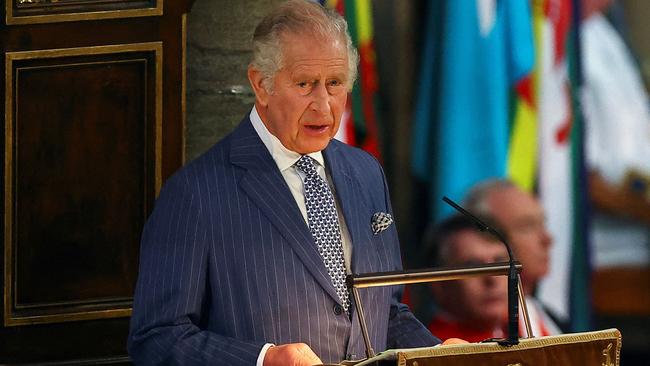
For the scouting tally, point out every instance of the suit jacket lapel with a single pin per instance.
(265, 186)
(357, 218)
(355, 209)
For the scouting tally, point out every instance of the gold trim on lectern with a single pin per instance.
(526, 343)
(559, 350)
(608, 359)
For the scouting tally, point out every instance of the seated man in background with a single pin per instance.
(522, 220)
(474, 309)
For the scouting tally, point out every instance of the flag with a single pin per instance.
(359, 122)
(562, 174)
(475, 54)
(521, 162)
(483, 111)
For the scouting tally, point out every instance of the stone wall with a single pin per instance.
(218, 53)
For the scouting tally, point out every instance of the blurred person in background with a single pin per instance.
(617, 115)
(617, 124)
(521, 219)
(474, 309)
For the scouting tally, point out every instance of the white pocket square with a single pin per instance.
(380, 222)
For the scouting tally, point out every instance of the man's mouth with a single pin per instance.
(317, 128)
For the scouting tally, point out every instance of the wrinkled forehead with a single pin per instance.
(309, 35)
(311, 46)
(513, 201)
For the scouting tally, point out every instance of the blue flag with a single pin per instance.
(474, 53)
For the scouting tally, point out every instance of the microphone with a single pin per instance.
(513, 305)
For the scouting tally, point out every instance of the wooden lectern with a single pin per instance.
(600, 348)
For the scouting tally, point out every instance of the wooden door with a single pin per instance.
(93, 111)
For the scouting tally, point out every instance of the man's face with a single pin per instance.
(481, 301)
(523, 219)
(304, 108)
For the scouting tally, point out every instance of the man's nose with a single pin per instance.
(320, 99)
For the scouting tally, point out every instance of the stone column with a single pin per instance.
(218, 52)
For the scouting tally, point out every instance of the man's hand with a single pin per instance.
(293, 354)
(454, 341)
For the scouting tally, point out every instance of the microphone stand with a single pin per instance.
(379, 279)
(511, 269)
(513, 288)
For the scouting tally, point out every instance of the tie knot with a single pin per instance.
(307, 165)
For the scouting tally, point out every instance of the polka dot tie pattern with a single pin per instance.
(324, 225)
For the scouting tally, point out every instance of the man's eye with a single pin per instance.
(303, 84)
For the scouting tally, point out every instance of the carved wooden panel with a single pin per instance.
(82, 166)
(49, 11)
(93, 110)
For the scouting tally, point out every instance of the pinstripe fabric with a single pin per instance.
(228, 264)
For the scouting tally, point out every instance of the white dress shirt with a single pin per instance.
(285, 160)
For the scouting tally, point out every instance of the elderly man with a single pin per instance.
(244, 258)
(474, 309)
(522, 219)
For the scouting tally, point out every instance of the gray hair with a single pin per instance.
(476, 199)
(297, 17)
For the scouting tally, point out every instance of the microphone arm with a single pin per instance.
(379, 279)
(513, 283)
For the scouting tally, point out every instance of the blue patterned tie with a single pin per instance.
(324, 225)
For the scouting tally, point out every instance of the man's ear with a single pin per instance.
(256, 78)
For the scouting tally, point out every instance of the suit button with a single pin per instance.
(338, 309)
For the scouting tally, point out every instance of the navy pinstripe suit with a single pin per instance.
(228, 263)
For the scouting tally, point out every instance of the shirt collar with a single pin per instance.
(283, 157)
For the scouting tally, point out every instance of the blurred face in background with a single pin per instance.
(481, 302)
(590, 7)
(522, 218)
